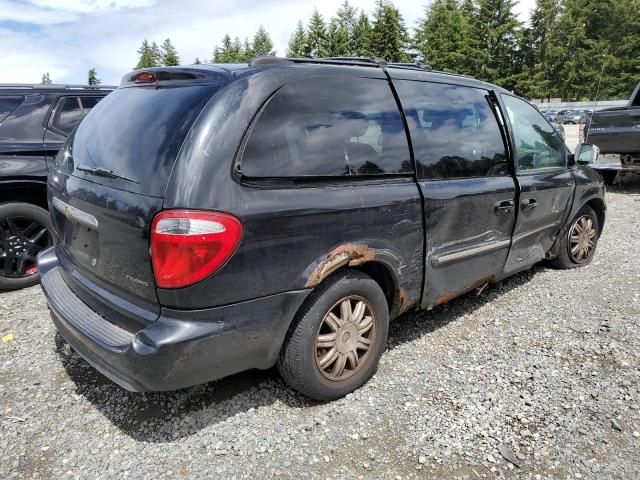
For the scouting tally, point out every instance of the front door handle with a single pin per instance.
(529, 204)
(503, 207)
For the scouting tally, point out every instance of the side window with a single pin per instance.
(68, 114)
(453, 130)
(328, 126)
(88, 103)
(537, 143)
(8, 105)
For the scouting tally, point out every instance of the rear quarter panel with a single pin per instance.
(293, 237)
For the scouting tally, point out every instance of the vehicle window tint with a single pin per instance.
(68, 115)
(8, 105)
(453, 129)
(537, 143)
(328, 127)
(88, 103)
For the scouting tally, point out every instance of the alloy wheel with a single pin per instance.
(345, 337)
(582, 239)
(21, 239)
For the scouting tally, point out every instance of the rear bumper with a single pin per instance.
(179, 349)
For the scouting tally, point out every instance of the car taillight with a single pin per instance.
(189, 245)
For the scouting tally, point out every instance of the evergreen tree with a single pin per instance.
(362, 36)
(541, 78)
(442, 37)
(157, 53)
(347, 18)
(147, 56)
(46, 79)
(337, 39)
(389, 36)
(247, 51)
(297, 42)
(169, 54)
(92, 77)
(316, 37)
(224, 54)
(496, 31)
(262, 44)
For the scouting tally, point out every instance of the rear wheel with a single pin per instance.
(24, 232)
(335, 342)
(578, 245)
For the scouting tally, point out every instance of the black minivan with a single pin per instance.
(213, 219)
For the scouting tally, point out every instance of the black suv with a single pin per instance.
(35, 120)
(213, 219)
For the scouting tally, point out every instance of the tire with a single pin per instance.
(301, 353)
(26, 214)
(566, 259)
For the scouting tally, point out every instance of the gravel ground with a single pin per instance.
(542, 369)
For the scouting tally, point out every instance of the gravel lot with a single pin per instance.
(543, 369)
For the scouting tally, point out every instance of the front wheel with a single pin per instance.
(336, 340)
(24, 232)
(578, 245)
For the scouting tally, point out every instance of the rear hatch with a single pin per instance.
(109, 181)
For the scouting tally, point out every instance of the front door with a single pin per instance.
(546, 185)
(465, 179)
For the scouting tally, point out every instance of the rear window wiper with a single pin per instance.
(103, 172)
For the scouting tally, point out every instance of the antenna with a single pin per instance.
(595, 104)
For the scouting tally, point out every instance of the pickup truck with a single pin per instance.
(617, 131)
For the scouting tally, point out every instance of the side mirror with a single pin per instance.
(586, 154)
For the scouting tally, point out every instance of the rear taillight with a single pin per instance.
(189, 245)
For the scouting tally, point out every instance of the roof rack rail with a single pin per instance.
(59, 86)
(356, 61)
(420, 65)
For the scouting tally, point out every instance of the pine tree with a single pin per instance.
(147, 56)
(46, 79)
(297, 42)
(541, 78)
(224, 54)
(347, 17)
(262, 44)
(92, 77)
(496, 34)
(389, 36)
(316, 37)
(442, 37)
(337, 39)
(247, 51)
(169, 54)
(157, 53)
(362, 36)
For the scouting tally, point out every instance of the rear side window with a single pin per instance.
(454, 131)
(328, 127)
(68, 114)
(8, 105)
(71, 110)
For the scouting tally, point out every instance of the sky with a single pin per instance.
(67, 37)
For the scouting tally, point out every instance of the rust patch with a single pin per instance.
(450, 296)
(347, 254)
(401, 303)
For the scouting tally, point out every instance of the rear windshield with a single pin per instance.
(137, 133)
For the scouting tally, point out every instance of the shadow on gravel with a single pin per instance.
(626, 184)
(167, 416)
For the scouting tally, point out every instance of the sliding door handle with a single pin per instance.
(529, 204)
(503, 207)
